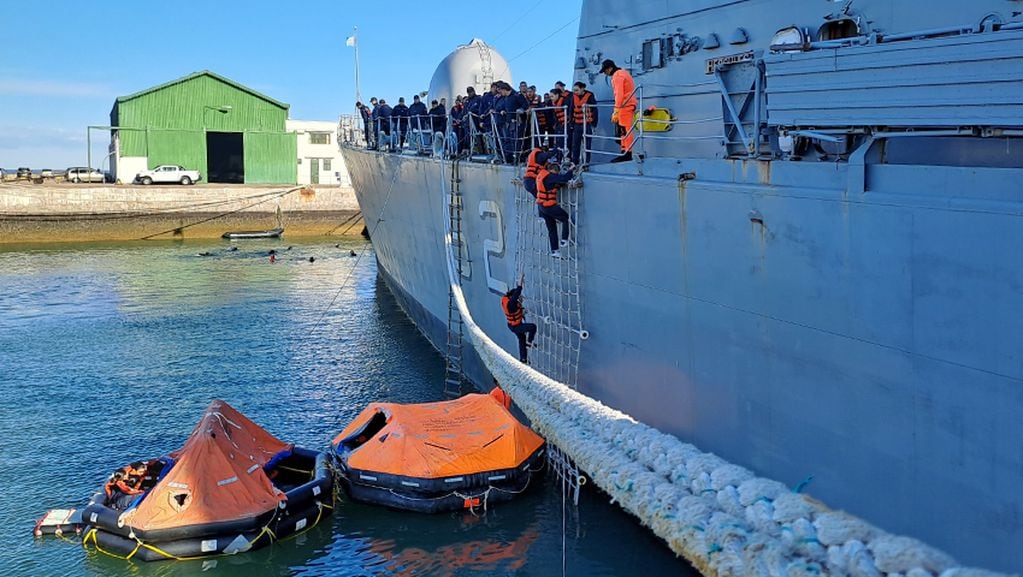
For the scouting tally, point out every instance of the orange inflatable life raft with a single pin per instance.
(461, 454)
(231, 488)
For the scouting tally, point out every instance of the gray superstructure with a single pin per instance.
(814, 272)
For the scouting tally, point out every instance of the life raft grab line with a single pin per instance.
(723, 519)
(266, 530)
(140, 544)
(464, 497)
(320, 506)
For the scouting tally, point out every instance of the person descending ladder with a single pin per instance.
(548, 181)
(553, 291)
(511, 304)
(536, 160)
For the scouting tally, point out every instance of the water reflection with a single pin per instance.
(110, 352)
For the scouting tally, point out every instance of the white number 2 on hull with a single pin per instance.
(493, 247)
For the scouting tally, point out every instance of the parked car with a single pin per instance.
(168, 173)
(46, 173)
(83, 174)
(24, 172)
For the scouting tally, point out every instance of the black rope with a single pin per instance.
(221, 215)
(95, 216)
(344, 222)
(358, 259)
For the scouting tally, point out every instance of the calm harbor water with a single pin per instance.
(110, 352)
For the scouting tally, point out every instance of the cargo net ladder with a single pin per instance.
(454, 373)
(551, 299)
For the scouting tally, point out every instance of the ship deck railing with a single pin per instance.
(482, 138)
(591, 142)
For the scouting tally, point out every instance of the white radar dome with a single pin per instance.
(474, 64)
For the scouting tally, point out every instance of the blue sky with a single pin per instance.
(62, 63)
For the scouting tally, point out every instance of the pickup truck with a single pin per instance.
(168, 173)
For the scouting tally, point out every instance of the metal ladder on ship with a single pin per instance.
(454, 373)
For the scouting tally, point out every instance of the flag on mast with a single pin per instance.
(351, 42)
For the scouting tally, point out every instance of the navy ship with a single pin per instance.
(811, 269)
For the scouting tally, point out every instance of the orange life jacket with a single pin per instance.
(544, 196)
(559, 111)
(578, 108)
(541, 116)
(121, 485)
(532, 167)
(514, 318)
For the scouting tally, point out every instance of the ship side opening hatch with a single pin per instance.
(838, 29)
(225, 157)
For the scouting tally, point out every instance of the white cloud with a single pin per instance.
(22, 87)
(14, 137)
(35, 146)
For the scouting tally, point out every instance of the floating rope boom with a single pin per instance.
(721, 517)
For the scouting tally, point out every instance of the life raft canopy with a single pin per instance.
(437, 456)
(218, 475)
(230, 488)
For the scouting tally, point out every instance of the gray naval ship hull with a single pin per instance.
(870, 342)
(849, 308)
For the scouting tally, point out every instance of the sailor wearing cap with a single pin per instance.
(625, 106)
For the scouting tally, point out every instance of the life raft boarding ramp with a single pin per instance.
(59, 521)
(721, 517)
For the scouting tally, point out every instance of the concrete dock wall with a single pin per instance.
(74, 213)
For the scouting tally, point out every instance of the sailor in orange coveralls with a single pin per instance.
(625, 106)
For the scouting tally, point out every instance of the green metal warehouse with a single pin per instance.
(205, 122)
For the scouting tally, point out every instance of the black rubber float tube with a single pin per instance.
(304, 507)
(437, 495)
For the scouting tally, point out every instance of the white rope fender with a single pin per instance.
(723, 519)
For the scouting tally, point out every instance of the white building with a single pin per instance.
(319, 155)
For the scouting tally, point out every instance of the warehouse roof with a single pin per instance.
(195, 75)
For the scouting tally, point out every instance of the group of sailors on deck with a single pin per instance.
(515, 125)
(497, 122)
(503, 122)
